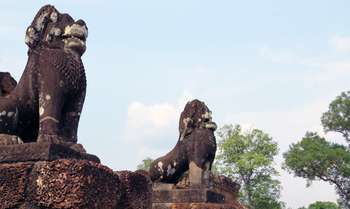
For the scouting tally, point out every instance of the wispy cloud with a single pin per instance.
(310, 69)
(341, 43)
(285, 56)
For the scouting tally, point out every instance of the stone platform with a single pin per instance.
(216, 192)
(56, 176)
(42, 152)
(196, 206)
(57, 184)
(199, 198)
(136, 190)
(187, 195)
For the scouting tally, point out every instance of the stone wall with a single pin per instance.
(58, 184)
(68, 182)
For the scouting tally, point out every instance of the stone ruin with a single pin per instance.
(43, 167)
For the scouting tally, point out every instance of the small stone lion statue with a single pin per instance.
(48, 99)
(194, 151)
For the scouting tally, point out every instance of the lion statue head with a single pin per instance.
(195, 115)
(55, 30)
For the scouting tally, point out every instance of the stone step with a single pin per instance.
(200, 195)
(196, 206)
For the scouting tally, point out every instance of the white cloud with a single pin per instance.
(340, 43)
(153, 128)
(149, 119)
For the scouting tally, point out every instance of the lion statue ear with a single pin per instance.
(35, 32)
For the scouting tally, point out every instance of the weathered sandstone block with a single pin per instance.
(59, 184)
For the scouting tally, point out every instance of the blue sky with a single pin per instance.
(273, 65)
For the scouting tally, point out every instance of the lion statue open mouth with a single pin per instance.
(195, 149)
(47, 102)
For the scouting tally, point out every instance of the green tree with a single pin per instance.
(248, 157)
(337, 118)
(322, 205)
(314, 158)
(145, 165)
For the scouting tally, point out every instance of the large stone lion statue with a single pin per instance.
(48, 99)
(195, 148)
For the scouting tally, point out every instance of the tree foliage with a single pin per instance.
(315, 158)
(248, 158)
(337, 118)
(145, 165)
(322, 205)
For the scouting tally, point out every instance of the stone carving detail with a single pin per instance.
(7, 83)
(194, 151)
(136, 190)
(48, 99)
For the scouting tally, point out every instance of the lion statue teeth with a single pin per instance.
(194, 151)
(47, 102)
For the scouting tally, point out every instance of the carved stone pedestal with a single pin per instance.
(192, 199)
(66, 183)
(187, 196)
(196, 206)
(136, 190)
(217, 192)
(55, 176)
